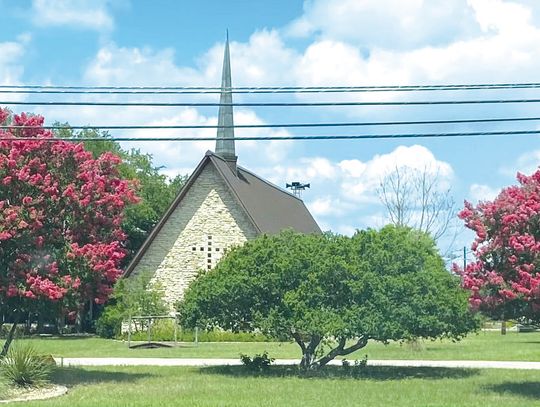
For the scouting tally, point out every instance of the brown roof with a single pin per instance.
(269, 207)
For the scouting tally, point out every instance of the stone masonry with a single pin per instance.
(208, 221)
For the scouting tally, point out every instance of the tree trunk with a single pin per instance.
(307, 360)
(28, 324)
(503, 327)
(79, 321)
(10, 337)
(308, 350)
(60, 323)
(40, 323)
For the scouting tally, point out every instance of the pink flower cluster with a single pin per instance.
(61, 212)
(506, 247)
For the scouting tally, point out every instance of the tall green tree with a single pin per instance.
(332, 294)
(156, 190)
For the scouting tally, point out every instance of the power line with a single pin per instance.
(272, 104)
(282, 125)
(270, 89)
(188, 91)
(292, 137)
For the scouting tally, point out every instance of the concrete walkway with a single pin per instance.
(471, 364)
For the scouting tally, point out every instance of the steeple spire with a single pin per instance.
(224, 147)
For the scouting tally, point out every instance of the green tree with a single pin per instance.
(131, 297)
(156, 191)
(331, 294)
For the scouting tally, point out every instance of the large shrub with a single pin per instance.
(332, 294)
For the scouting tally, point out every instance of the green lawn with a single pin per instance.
(482, 346)
(229, 386)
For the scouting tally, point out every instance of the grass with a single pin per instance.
(232, 386)
(482, 346)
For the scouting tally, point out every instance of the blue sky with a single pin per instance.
(311, 43)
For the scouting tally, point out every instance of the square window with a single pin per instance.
(209, 260)
(209, 254)
(209, 267)
(202, 249)
(193, 248)
(217, 249)
(209, 237)
(209, 243)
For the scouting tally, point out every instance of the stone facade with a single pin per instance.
(208, 221)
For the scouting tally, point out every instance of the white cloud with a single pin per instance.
(480, 192)
(115, 65)
(349, 51)
(526, 164)
(361, 179)
(11, 68)
(263, 60)
(498, 15)
(343, 193)
(83, 14)
(385, 23)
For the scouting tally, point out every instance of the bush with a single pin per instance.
(109, 323)
(163, 330)
(257, 363)
(357, 368)
(23, 367)
(133, 296)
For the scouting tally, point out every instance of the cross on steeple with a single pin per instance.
(225, 132)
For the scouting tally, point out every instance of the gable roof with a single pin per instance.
(269, 207)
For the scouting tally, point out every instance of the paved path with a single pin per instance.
(473, 364)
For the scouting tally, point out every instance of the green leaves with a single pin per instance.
(384, 285)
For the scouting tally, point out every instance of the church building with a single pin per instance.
(221, 205)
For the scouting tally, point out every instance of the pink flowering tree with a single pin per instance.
(61, 211)
(504, 281)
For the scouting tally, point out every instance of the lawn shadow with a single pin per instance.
(71, 376)
(379, 373)
(527, 389)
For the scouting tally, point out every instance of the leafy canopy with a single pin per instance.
(325, 291)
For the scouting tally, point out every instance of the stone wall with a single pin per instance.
(204, 225)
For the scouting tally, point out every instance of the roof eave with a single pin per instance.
(142, 250)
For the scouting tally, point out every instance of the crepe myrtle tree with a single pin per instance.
(61, 210)
(332, 294)
(504, 280)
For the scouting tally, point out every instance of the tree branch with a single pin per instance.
(299, 341)
(332, 354)
(340, 350)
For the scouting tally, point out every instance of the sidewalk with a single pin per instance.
(470, 364)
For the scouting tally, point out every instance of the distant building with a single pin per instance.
(222, 205)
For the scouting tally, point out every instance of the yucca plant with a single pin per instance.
(22, 366)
